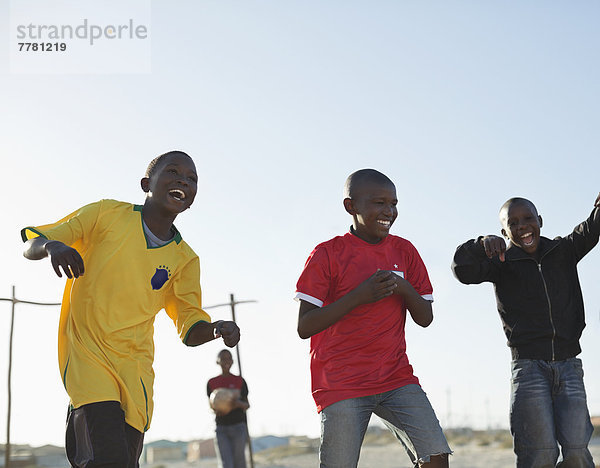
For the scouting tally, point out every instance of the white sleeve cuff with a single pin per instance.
(428, 297)
(305, 297)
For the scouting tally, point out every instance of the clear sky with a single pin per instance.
(462, 103)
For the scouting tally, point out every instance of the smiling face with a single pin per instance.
(521, 224)
(373, 209)
(172, 184)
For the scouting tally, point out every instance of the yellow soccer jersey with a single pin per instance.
(105, 341)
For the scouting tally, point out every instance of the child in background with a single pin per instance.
(232, 429)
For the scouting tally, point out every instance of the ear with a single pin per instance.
(540, 220)
(145, 184)
(349, 206)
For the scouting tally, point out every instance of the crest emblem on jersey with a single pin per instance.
(161, 276)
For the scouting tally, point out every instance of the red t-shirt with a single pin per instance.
(364, 353)
(233, 382)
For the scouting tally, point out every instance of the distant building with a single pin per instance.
(50, 456)
(164, 450)
(267, 442)
(198, 449)
(20, 456)
(47, 456)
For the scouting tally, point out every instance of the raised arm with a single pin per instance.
(585, 235)
(61, 256)
(313, 319)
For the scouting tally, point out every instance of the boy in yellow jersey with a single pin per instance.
(124, 264)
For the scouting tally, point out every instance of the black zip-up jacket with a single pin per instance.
(540, 304)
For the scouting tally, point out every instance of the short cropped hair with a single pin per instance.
(358, 178)
(515, 201)
(155, 163)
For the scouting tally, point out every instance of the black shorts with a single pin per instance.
(98, 436)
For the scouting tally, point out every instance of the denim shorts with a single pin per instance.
(548, 409)
(406, 411)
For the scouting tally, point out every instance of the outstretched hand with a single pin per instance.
(65, 257)
(494, 246)
(229, 331)
(379, 285)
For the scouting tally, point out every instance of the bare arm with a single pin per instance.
(203, 332)
(420, 309)
(61, 256)
(313, 319)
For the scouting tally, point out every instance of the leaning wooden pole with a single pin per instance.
(14, 302)
(232, 303)
(237, 350)
(8, 411)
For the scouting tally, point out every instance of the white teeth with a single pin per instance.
(526, 236)
(178, 194)
(384, 223)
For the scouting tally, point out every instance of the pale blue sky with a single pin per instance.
(462, 103)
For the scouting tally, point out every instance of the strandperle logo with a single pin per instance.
(83, 31)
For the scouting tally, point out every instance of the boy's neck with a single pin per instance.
(354, 233)
(159, 223)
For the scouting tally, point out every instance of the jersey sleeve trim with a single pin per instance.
(428, 297)
(190, 330)
(31, 233)
(305, 297)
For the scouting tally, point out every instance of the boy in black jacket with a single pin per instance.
(541, 306)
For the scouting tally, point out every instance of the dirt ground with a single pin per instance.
(393, 455)
(468, 453)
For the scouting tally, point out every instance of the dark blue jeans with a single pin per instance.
(549, 407)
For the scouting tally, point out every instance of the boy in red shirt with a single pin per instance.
(354, 293)
(232, 429)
